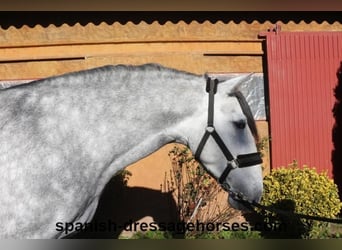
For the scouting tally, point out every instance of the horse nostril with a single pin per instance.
(240, 124)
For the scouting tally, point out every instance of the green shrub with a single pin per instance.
(303, 191)
(164, 235)
(228, 235)
(152, 235)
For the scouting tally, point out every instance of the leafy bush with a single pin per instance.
(164, 235)
(304, 191)
(151, 235)
(229, 235)
(123, 176)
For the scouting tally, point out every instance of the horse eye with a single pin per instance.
(240, 124)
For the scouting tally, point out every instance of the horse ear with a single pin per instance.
(233, 85)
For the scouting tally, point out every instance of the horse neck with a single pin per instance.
(161, 104)
(152, 113)
(181, 101)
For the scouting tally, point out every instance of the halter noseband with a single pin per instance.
(241, 161)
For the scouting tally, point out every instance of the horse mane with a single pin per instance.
(154, 67)
(247, 112)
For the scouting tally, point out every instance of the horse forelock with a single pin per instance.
(247, 112)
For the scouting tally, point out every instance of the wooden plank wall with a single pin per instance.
(27, 53)
(39, 52)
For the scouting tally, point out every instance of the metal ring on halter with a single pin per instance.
(210, 129)
(233, 163)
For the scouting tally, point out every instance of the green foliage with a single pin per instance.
(262, 145)
(229, 235)
(123, 177)
(304, 191)
(164, 235)
(152, 235)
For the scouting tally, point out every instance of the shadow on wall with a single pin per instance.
(119, 205)
(337, 133)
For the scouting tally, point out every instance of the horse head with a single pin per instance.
(227, 149)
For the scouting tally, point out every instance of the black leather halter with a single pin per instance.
(241, 161)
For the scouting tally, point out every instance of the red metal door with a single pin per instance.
(302, 70)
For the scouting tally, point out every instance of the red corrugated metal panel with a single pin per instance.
(302, 75)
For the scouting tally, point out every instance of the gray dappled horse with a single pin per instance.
(63, 138)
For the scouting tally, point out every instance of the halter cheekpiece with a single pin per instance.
(241, 161)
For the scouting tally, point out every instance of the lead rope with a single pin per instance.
(250, 204)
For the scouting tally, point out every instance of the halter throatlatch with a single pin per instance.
(241, 161)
